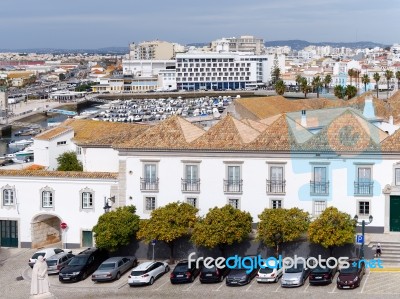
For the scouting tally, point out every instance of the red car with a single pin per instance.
(350, 278)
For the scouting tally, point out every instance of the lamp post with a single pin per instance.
(107, 207)
(363, 224)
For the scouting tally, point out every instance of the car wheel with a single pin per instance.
(151, 281)
(276, 279)
(192, 278)
(166, 269)
(221, 279)
(84, 275)
(118, 276)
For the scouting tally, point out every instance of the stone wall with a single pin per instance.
(46, 232)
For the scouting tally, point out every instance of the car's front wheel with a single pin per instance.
(118, 276)
(151, 281)
(166, 269)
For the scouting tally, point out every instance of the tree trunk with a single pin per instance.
(377, 90)
(171, 252)
(317, 92)
(305, 95)
(331, 251)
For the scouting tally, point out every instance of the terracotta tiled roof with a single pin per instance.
(259, 126)
(59, 174)
(348, 132)
(97, 133)
(391, 143)
(277, 136)
(172, 133)
(228, 133)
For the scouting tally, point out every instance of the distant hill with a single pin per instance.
(301, 44)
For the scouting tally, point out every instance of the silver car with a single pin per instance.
(113, 268)
(295, 276)
(58, 261)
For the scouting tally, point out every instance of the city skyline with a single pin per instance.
(95, 24)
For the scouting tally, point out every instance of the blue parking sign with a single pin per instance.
(359, 239)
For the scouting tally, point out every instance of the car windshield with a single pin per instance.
(297, 269)
(51, 262)
(350, 270)
(211, 269)
(266, 270)
(137, 273)
(78, 261)
(36, 255)
(107, 266)
(319, 268)
(238, 271)
(181, 268)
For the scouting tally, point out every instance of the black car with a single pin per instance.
(213, 273)
(82, 265)
(240, 276)
(322, 274)
(183, 272)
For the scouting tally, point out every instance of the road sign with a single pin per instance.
(153, 242)
(63, 225)
(359, 239)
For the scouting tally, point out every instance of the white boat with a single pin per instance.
(20, 143)
(26, 155)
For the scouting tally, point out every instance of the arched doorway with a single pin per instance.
(45, 229)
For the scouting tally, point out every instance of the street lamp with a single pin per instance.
(363, 224)
(107, 207)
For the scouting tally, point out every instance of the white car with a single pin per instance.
(147, 273)
(46, 253)
(268, 274)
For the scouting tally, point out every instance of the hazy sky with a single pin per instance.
(103, 23)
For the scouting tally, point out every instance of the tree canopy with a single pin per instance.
(304, 87)
(327, 81)
(350, 91)
(280, 87)
(168, 223)
(332, 228)
(277, 226)
(222, 227)
(317, 84)
(365, 80)
(68, 161)
(116, 228)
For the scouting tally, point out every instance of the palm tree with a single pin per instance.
(316, 84)
(350, 72)
(298, 80)
(339, 91)
(357, 76)
(365, 80)
(398, 79)
(327, 81)
(388, 76)
(350, 91)
(377, 77)
(280, 87)
(304, 87)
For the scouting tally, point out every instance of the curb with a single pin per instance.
(383, 270)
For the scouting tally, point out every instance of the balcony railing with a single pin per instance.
(363, 188)
(276, 186)
(190, 185)
(147, 184)
(233, 186)
(319, 188)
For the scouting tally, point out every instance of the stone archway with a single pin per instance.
(45, 230)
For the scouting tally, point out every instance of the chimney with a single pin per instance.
(303, 118)
(369, 109)
(391, 120)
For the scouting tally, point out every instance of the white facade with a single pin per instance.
(145, 68)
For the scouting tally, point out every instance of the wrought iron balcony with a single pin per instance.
(276, 186)
(233, 186)
(190, 185)
(147, 184)
(363, 188)
(319, 188)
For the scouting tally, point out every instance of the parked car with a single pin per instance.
(147, 273)
(269, 274)
(6, 162)
(45, 252)
(114, 267)
(322, 275)
(58, 261)
(213, 273)
(350, 277)
(295, 276)
(183, 272)
(239, 276)
(82, 265)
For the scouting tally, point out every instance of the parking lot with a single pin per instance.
(15, 283)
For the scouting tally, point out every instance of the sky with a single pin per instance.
(92, 24)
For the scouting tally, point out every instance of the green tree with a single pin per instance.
(222, 227)
(275, 71)
(398, 79)
(332, 229)
(61, 76)
(316, 84)
(280, 87)
(350, 91)
(277, 226)
(388, 76)
(365, 80)
(339, 91)
(116, 228)
(377, 77)
(327, 81)
(168, 224)
(351, 74)
(298, 80)
(68, 161)
(304, 87)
